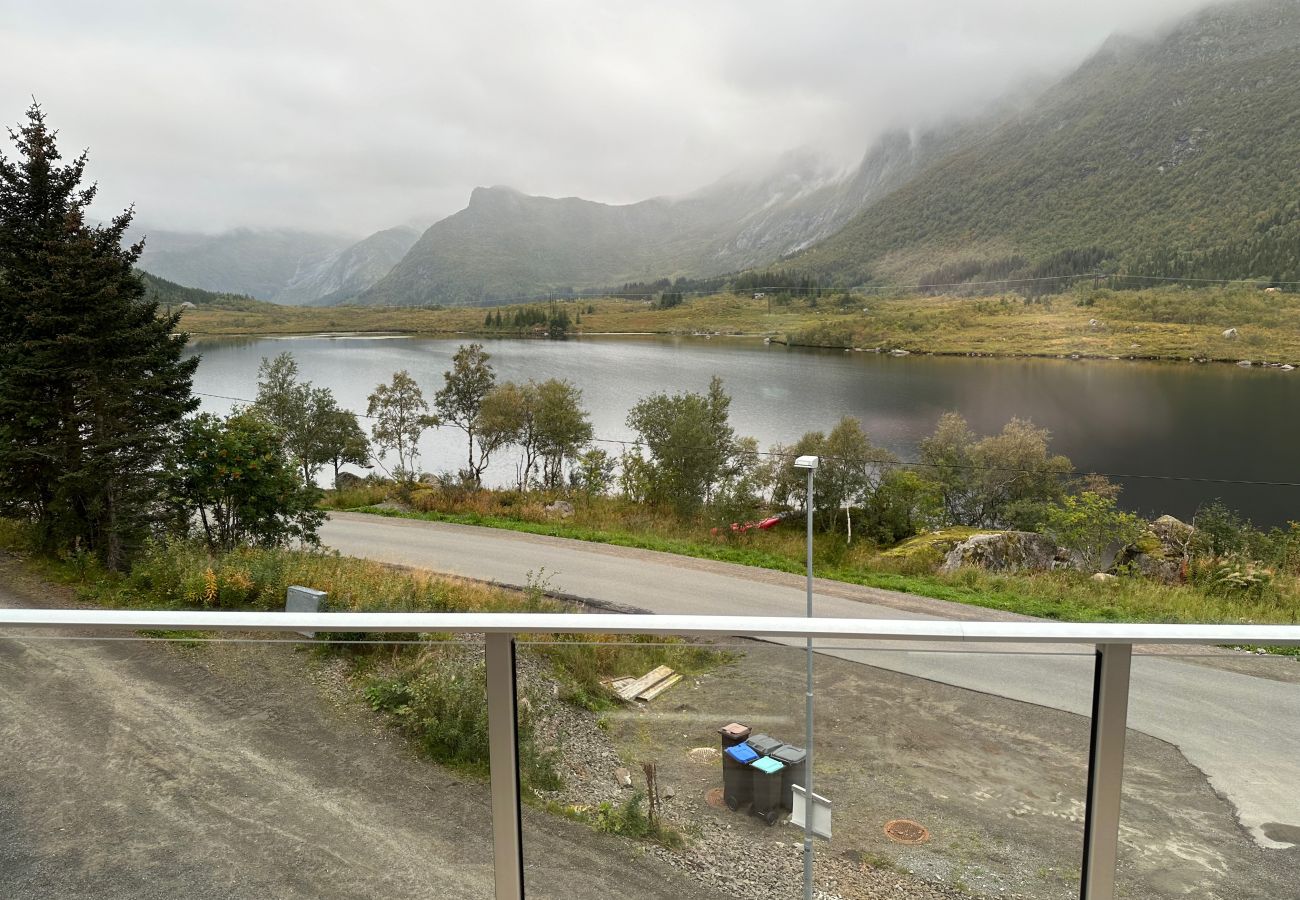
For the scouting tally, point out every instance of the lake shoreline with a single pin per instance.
(1160, 325)
(1240, 362)
(1176, 435)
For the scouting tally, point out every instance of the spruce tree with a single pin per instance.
(92, 384)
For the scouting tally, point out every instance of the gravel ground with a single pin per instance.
(720, 853)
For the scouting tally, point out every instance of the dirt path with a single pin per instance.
(221, 771)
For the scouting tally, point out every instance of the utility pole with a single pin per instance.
(808, 463)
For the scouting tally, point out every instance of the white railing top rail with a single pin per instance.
(614, 623)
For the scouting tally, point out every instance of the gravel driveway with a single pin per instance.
(143, 770)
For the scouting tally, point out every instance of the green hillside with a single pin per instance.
(258, 262)
(170, 295)
(1177, 155)
(506, 244)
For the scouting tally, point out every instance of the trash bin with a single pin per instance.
(795, 760)
(767, 788)
(733, 734)
(737, 776)
(763, 744)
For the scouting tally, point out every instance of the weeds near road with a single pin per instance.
(441, 706)
(438, 696)
(627, 819)
(1061, 595)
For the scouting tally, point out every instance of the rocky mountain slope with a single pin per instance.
(345, 274)
(508, 244)
(1177, 154)
(259, 263)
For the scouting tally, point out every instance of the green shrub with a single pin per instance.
(629, 819)
(440, 700)
(368, 493)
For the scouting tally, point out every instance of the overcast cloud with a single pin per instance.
(350, 117)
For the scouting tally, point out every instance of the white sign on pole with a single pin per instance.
(821, 823)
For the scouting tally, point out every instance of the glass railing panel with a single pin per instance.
(1211, 799)
(637, 780)
(947, 768)
(962, 766)
(205, 766)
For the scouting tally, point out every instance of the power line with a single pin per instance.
(1193, 479)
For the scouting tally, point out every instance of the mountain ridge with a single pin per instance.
(507, 244)
(1151, 149)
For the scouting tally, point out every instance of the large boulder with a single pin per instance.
(1007, 551)
(347, 481)
(561, 508)
(1160, 553)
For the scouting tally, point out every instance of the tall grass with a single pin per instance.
(1062, 595)
(435, 692)
(438, 696)
(184, 575)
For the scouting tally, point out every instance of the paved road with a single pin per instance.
(1242, 731)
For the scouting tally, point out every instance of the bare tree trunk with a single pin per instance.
(651, 771)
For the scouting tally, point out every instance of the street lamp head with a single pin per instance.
(806, 462)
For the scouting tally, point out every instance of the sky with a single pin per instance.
(349, 117)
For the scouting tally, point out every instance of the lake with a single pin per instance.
(1129, 418)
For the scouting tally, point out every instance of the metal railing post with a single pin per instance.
(808, 889)
(503, 756)
(1105, 771)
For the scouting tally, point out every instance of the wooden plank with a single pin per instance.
(656, 675)
(659, 688)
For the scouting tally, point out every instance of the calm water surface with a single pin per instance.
(1212, 421)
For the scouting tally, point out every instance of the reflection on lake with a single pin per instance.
(1211, 421)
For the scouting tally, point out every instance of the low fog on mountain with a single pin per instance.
(347, 119)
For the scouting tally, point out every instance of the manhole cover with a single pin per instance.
(905, 831)
(714, 798)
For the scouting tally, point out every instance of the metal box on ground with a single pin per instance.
(304, 600)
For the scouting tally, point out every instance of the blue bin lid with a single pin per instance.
(768, 765)
(741, 753)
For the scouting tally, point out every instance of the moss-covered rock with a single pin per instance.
(1006, 551)
(1161, 553)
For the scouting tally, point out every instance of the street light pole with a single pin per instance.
(808, 463)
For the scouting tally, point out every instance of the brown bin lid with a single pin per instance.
(735, 730)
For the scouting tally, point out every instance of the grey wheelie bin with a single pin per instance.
(795, 760)
(763, 744)
(767, 788)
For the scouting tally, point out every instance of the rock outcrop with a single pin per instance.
(1160, 554)
(561, 508)
(347, 480)
(1008, 551)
